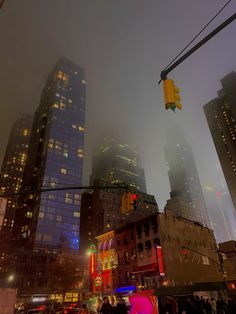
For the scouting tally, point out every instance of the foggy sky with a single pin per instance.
(123, 45)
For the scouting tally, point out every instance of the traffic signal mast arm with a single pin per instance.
(109, 187)
(165, 72)
(171, 92)
(199, 253)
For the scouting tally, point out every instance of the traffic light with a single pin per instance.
(128, 202)
(185, 254)
(133, 201)
(171, 95)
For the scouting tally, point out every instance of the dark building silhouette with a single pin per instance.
(184, 180)
(221, 117)
(117, 162)
(13, 168)
(56, 150)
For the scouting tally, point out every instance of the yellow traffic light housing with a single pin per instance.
(171, 95)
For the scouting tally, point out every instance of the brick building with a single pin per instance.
(159, 250)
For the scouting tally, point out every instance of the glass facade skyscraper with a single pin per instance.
(56, 150)
(116, 162)
(183, 176)
(221, 117)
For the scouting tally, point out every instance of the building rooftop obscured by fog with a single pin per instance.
(183, 176)
(117, 162)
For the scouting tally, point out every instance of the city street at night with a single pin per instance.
(118, 157)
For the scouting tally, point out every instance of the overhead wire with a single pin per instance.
(199, 33)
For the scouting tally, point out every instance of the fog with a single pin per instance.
(122, 45)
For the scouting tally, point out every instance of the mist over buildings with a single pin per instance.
(122, 48)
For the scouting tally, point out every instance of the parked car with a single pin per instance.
(72, 308)
(46, 307)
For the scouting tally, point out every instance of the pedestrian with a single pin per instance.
(191, 307)
(203, 305)
(208, 307)
(99, 305)
(174, 305)
(220, 306)
(106, 307)
(168, 309)
(121, 307)
(213, 305)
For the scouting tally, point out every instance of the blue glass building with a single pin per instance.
(46, 220)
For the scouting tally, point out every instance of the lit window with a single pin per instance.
(62, 105)
(65, 153)
(58, 218)
(76, 214)
(77, 196)
(25, 132)
(81, 129)
(63, 171)
(58, 147)
(53, 184)
(29, 214)
(73, 126)
(59, 74)
(83, 82)
(41, 215)
(55, 106)
(68, 198)
(80, 153)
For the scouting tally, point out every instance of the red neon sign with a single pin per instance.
(160, 261)
(134, 197)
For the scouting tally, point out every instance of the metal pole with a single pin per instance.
(157, 268)
(110, 187)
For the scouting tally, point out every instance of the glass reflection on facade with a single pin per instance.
(55, 160)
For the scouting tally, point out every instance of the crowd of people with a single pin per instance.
(106, 307)
(170, 305)
(196, 305)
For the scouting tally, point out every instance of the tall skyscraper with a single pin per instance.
(13, 167)
(221, 117)
(56, 150)
(220, 216)
(117, 162)
(183, 176)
